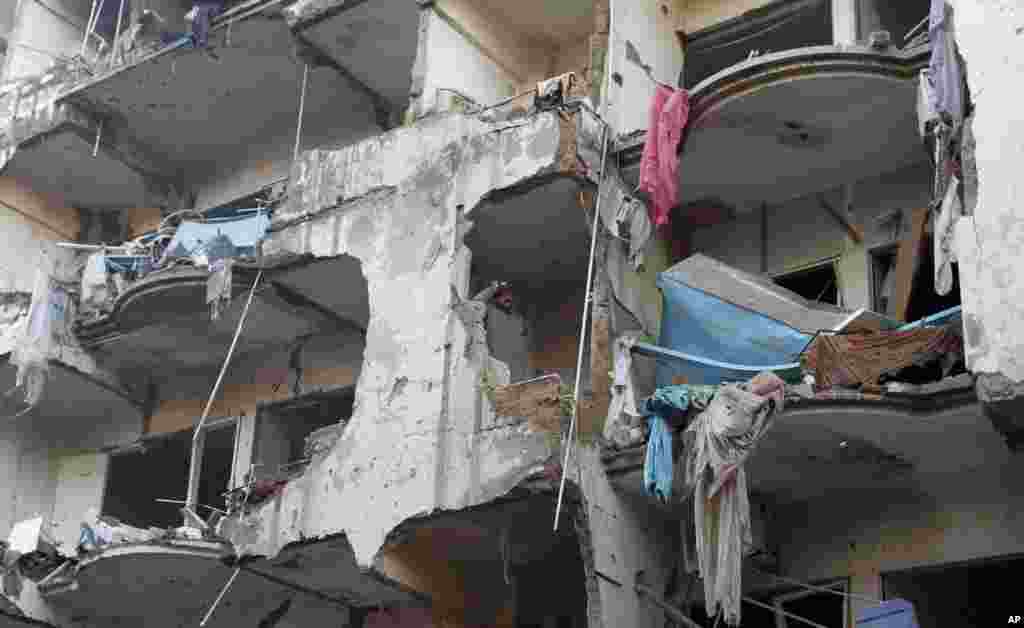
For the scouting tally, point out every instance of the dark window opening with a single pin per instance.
(778, 27)
(215, 470)
(924, 301)
(947, 596)
(883, 262)
(283, 427)
(159, 468)
(818, 284)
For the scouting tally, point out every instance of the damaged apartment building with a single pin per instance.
(449, 313)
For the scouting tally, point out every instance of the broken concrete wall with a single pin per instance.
(651, 27)
(422, 437)
(267, 162)
(990, 245)
(454, 65)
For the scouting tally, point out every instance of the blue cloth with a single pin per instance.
(660, 408)
(106, 21)
(206, 10)
(658, 460)
(219, 239)
(723, 342)
(888, 614)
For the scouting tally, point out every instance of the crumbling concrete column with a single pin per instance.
(990, 244)
(421, 438)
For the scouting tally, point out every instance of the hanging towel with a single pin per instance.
(658, 461)
(943, 237)
(944, 67)
(717, 445)
(633, 222)
(659, 163)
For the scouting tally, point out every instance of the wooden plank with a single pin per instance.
(908, 260)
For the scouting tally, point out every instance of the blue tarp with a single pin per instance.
(718, 341)
(218, 239)
(888, 614)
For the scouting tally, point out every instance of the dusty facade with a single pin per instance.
(365, 403)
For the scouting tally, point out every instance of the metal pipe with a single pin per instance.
(117, 33)
(302, 109)
(583, 328)
(776, 609)
(191, 497)
(99, 131)
(220, 596)
(88, 26)
(674, 612)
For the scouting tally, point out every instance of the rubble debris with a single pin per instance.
(322, 440)
(717, 444)
(538, 400)
(852, 360)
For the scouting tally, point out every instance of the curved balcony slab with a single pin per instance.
(174, 583)
(790, 124)
(54, 150)
(77, 409)
(164, 320)
(206, 111)
(816, 447)
(783, 125)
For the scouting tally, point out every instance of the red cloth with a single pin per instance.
(659, 164)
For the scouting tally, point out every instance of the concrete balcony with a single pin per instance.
(174, 581)
(215, 115)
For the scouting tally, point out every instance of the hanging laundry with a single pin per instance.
(849, 360)
(658, 460)
(633, 222)
(926, 114)
(969, 166)
(664, 409)
(946, 73)
(201, 16)
(717, 444)
(943, 238)
(659, 163)
(218, 287)
(672, 402)
(622, 426)
(96, 293)
(47, 329)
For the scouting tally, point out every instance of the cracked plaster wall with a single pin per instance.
(990, 245)
(422, 437)
(627, 534)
